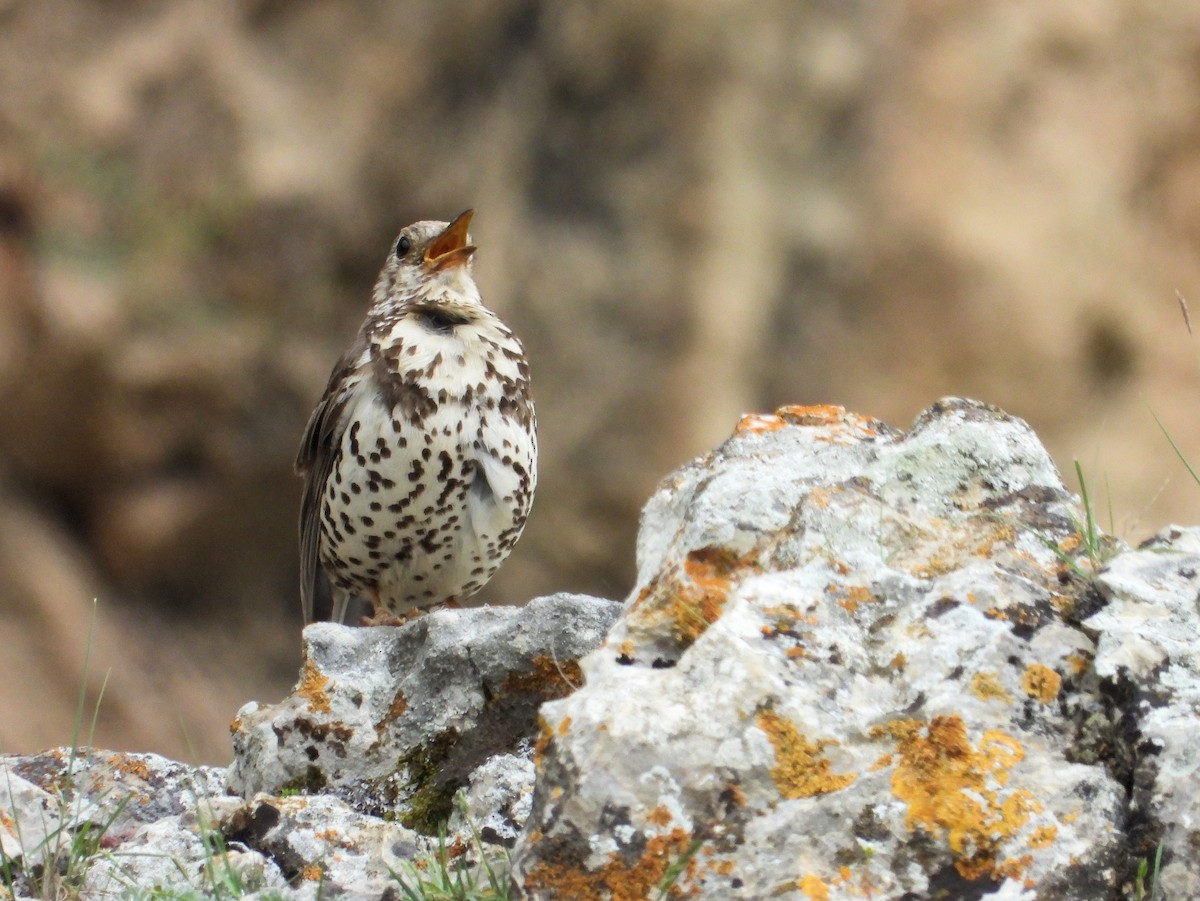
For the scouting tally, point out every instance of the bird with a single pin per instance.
(420, 459)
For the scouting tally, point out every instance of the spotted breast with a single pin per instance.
(420, 461)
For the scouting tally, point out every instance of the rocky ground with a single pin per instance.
(687, 210)
(857, 663)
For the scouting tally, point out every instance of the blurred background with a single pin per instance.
(686, 209)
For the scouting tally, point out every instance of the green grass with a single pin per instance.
(1175, 447)
(448, 875)
(1096, 547)
(1144, 870)
(676, 869)
(55, 869)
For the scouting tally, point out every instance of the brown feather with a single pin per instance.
(314, 461)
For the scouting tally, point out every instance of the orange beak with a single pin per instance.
(450, 248)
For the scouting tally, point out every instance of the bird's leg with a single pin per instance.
(340, 603)
(380, 615)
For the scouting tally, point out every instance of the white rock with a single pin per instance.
(856, 663)
(1148, 647)
(847, 668)
(396, 720)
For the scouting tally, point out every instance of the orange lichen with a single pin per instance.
(693, 598)
(815, 414)
(132, 767)
(312, 688)
(550, 678)
(312, 873)
(898, 662)
(999, 534)
(820, 498)
(659, 816)
(617, 880)
(1043, 837)
(881, 762)
(545, 736)
(1077, 662)
(722, 867)
(1062, 603)
(852, 596)
(800, 770)
(942, 547)
(563, 726)
(709, 570)
(795, 652)
(814, 887)
(819, 415)
(1071, 543)
(1041, 682)
(397, 707)
(987, 687)
(954, 788)
(757, 424)
(1014, 868)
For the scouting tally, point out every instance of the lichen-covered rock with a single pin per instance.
(320, 842)
(97, 822)
(395, 720)
(1148, 653)
(852, 666)
(857, 663)
(102, 824)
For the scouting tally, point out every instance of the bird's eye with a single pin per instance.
(403, 246)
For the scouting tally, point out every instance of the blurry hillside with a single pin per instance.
(686, 209)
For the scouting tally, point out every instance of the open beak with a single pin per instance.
(450, 248)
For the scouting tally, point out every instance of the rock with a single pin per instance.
(320, 842)
(852, 665)
(1148, 654)
(100, 824)
(857, 662)
(395, 721)
(137, 813)
(172, 854)
(191, 221)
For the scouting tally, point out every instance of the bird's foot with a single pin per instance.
(383, 618)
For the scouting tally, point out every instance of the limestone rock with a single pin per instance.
(320, 842)
(395, 720)
(139, 810)
(852, 665)
(857, 662)
(1148, 653)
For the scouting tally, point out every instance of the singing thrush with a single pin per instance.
(420, 460)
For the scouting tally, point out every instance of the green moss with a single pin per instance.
(309, 782)
(431, 790)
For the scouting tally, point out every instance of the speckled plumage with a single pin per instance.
(420, 461)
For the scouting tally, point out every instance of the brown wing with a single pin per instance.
(314, 461)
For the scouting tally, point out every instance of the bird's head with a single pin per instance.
(430, 262)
